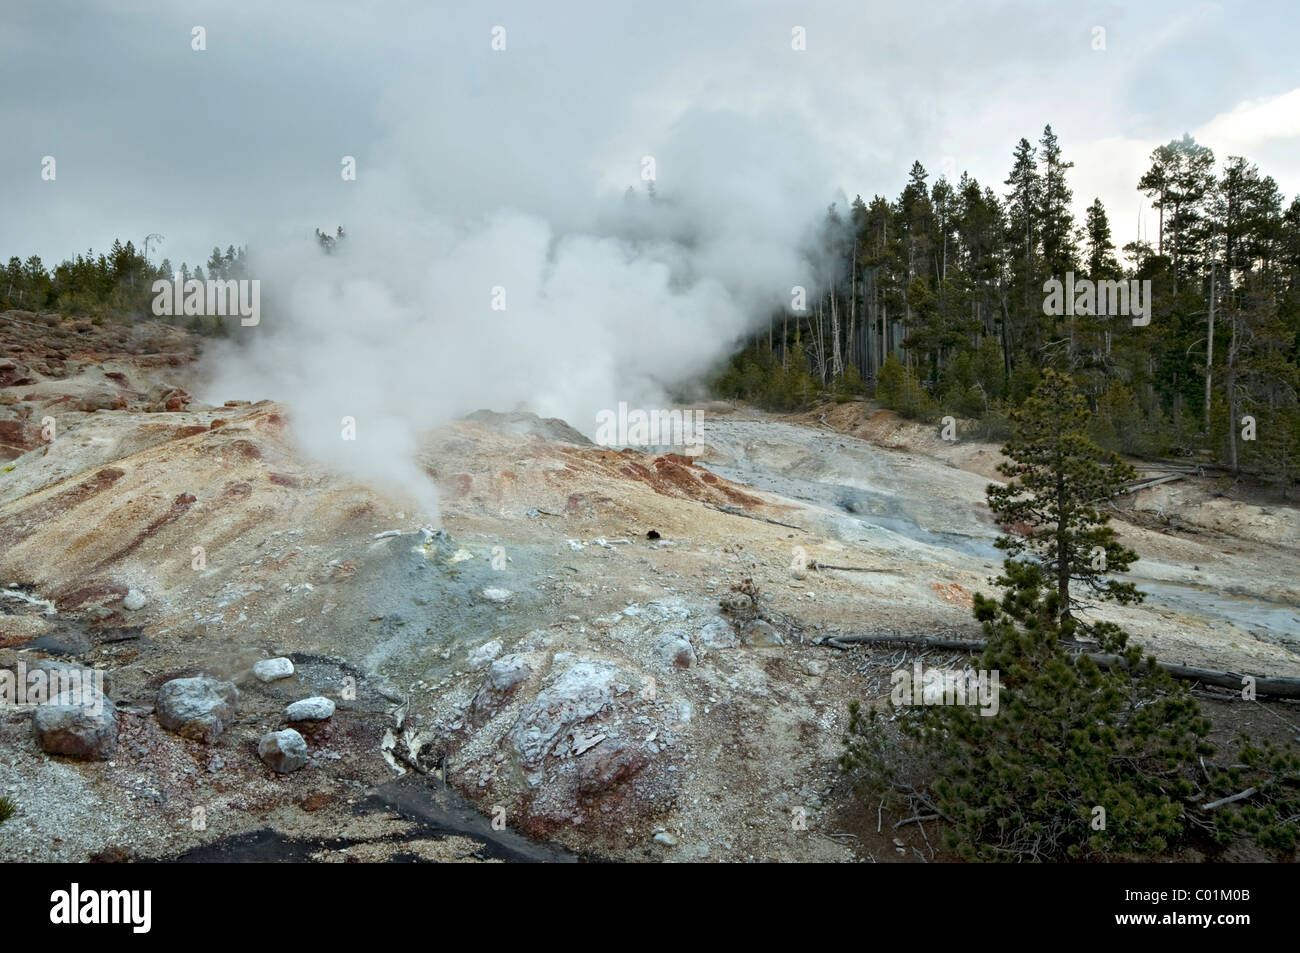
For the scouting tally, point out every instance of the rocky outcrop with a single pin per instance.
(70, 368)
(504, 676)
(582, 690)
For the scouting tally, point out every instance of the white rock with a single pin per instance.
(674, 651)
(484, 654)
(580, 692)
(198, 708)
(499, 596)
(717, 633)
(507, 672)
(668, 840)
(581, 744)
(316, 708)
(270, 669)
(283, 751)
(133, 600)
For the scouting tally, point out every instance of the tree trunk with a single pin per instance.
(1209, 355)
(853, 307)
(837, 359)
(1062, 551)
(1231, 385)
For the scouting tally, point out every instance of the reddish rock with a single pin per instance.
(13, 433)
(608, 766)
(101, 402)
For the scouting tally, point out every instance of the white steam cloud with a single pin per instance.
(514, 189)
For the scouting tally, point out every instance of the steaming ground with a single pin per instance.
(541, 655)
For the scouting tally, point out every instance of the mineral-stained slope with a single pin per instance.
(540, 663)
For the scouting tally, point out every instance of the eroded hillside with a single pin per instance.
(571, 652)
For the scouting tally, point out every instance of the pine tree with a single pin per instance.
(1057, 221)
(1021, 779)
(1154, 184)
(1101, 250)
(1178, 183)
(1059, 480)
(1023, 202)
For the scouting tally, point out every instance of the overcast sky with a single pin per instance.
(243, 141)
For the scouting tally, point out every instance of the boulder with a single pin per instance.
(271, 669)
(316, 708)
(762, 635)
(504, 676)
(717, 633)
(77, 724)
(134, 600)
(484, 654)
(283, 751)
(674, 651)
(197, 708)
(102, 401)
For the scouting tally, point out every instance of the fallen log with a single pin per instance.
(1239, 796)
(1264, 685)
(921, 641)
(1274, 687)
(737, 511)
(1147, 484)
(816, 565)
